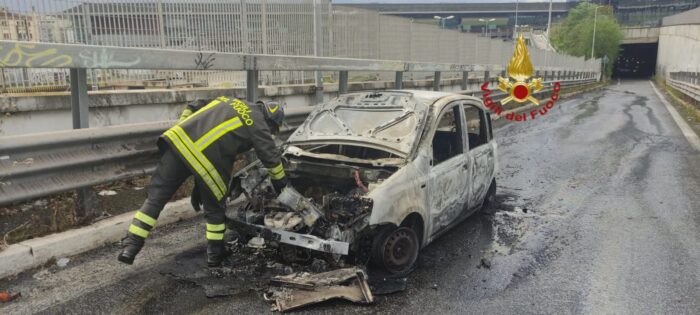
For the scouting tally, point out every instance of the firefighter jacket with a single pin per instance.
(208, 137)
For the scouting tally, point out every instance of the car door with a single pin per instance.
(449, 168)
(481, 151)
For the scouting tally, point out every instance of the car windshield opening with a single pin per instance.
(351, 151)
(387, 123)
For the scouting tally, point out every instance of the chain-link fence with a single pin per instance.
(279, 27)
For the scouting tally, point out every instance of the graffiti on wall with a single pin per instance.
(27, 55)
(104, 59)
(203, 62)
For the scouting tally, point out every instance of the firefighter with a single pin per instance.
(204, 144)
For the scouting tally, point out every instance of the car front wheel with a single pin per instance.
(396, 249)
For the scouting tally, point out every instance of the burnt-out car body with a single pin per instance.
(375, 175)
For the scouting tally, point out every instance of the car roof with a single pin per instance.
(433, 97)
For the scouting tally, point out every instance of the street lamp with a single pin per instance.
(595, 23)
(487, 25)
(443, 19)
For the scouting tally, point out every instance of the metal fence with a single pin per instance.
(277, 27)
(686, 82)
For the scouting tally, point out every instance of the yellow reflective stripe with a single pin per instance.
(203, 109)
(211, 170)
(187, 154)
(217, 132)
(276, 169)
(276, 172)
(277, 176)
(185, 113)
(145, 218)
(216, 227)
(138, 231)
(215, 236)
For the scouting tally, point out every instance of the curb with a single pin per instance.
(687, 132)
(36, 252)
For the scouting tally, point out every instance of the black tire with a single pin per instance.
(396, 249)
(490, 197)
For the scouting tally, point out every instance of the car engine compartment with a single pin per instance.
(324, 211)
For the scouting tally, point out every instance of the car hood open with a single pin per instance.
(390, 121)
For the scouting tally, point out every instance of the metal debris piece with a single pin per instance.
(63, 262)
(302, 289)
(256, 242)
(7, 297)
(288, 221)
(297, 202)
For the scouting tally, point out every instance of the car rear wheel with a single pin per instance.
(490, 197)
(396, 249)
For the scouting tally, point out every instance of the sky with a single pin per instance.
(438, 1)
(42, 6)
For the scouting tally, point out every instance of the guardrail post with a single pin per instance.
(79, 98)
(465, 79)
(342, 82)
(319, 88)
(79, 108)
(251, 85)
(398, 81)
(486, 76)
(545, 77)
(436, 81)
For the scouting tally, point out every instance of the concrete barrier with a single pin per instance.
(37, 252)
(51, 111)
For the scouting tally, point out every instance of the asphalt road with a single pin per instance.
(598, 212)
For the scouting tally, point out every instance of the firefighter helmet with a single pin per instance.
(274, 114)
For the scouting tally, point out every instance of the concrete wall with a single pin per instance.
(679, 43)
(640, 35)
(42, 112)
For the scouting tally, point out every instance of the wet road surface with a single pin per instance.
(598, 212)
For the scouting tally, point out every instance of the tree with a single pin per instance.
(575, 35)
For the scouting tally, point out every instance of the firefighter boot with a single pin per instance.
(131, 245)
(216, 252)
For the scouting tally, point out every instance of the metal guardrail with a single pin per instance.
(38, 165)
(42, 164)
(687, 83)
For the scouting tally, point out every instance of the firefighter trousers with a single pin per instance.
(168, 177)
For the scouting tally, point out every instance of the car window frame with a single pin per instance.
(459, 106)
(484, 125)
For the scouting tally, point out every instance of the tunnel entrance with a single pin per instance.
(636, 61)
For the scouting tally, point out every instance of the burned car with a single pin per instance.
(375, 177)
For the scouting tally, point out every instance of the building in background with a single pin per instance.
(648, 12)
(15, 26)
(54, 29)
(533, 15)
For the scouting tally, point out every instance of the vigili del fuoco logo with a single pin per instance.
(519, 87)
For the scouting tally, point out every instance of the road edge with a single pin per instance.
(687, 132)
(33, 253)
